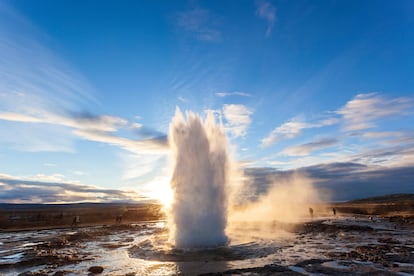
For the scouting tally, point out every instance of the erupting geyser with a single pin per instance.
(199, 181)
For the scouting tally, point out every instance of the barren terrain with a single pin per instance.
(366, 237)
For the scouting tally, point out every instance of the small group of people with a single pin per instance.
(76, 220)
(311, 211)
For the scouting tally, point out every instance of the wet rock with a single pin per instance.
(315, 266)
(30, 273)
(331, 229)
(384, 254)
(96, 269)
(388, 240)
(59, 273)
(311, 262)
(271, 269)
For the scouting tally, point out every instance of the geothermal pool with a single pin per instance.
(325, 246)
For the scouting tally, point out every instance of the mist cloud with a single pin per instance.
(287, 199)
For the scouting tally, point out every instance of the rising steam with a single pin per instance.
(288, 200)
(199, 181)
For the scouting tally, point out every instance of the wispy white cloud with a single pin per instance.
(306, 149)
(289, 129)
(43, 92)
(389, 151)
(182, 99)
(48, 177)
(238, 119)
(364, 110)
(33, 79)
(227, 94)
(94, 128)
(292, 129)
(149, 146)
(359, 114)
(381, 134)
(386, 156)
(31, 74)
(199, 22)
(78, 173)
(54, 189)
(104, 123)
(266, 11)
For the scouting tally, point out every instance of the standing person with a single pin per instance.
(334, 211)
(75, 221)
(311, 212)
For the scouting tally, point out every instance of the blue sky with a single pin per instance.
(88, 89)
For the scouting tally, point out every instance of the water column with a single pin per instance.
(199, 181)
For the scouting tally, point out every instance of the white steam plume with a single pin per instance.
(199, 181)
(288, 200)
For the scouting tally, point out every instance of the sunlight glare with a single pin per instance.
(161, 190)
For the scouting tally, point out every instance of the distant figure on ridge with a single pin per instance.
(334, 211)
(311, 212)
(118, 219)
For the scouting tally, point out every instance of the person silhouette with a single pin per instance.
(311, 212)
(75, 221)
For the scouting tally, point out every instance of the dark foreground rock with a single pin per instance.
(272, 269)
(314, 267)
(96, 269)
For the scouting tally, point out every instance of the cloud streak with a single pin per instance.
(51, 189)
(359, 114)
(292, 129)
(266, 11)
(306, 149)
(288, 130)
(34, 83)
(200, 23)
(228, 94)
(31, 74)
(365, 109)
(94, 128)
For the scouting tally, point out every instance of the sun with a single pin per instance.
(166, 195)
(161, 191)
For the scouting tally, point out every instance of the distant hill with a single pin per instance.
(47, 216)
(385, 199)
(36, 206)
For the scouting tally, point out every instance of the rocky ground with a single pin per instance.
(365, 246)
(326, 246)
